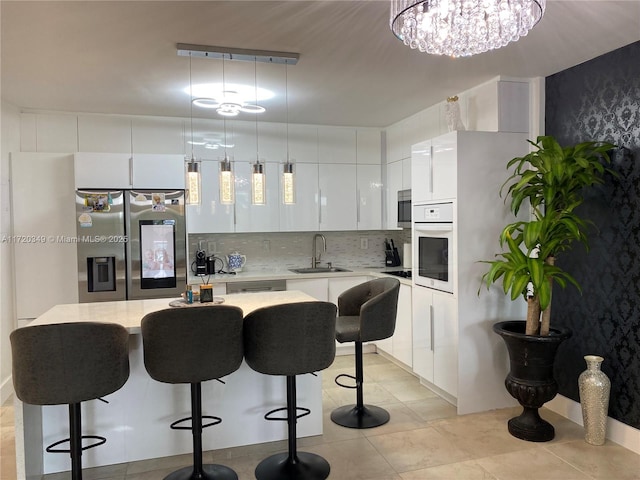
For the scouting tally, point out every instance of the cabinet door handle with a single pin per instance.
(358, 205)
(320, 206)
(130, 171)
(431, 325)
(431, 169)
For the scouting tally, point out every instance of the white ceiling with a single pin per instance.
(120, 56)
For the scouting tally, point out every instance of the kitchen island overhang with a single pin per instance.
(136, 420)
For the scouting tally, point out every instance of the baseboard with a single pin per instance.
(617, 432)
(6, 390)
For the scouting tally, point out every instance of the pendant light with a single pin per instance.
(258, 180)
(288, 175)
(227, 188)
(192, 165)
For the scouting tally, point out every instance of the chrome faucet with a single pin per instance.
(315, 259)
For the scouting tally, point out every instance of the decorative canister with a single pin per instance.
(594, 398)
(236, 261)
(452, 113)
(206, 293)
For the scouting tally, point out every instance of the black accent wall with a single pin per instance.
(600, 100)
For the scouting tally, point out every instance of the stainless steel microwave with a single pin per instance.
(404, 208)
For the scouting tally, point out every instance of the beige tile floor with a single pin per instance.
(425, 440)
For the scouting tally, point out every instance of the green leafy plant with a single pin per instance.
(550, 180)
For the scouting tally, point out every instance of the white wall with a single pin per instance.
(10, 127)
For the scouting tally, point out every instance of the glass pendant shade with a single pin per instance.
(227, 189)
(258, 184)
(460, 28)
(193, 182)
(288, 184)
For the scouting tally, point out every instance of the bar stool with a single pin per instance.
(66, 364)
(290, 340)
(366, 312)
(193, 345)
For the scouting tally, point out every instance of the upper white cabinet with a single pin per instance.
(157, 135)
(338, 196)
(210, 216)
(256, 218)
(369, 195)
(158, 170)
(303, 143)
(304, 214)
(104, 133)
(398, 178)
(368, 147)
(122, 170)
(336, 145)
(433, 169)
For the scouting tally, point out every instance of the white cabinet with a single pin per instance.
(303, 143)
(337, 285)
(338, 196)
(157, 135)
(398, 178)
(402, 339)
(256, 218)
(210, 216)
(435, 355)
(368, 147)
(104, 133)
(369, 196)
(44, 225)
(336, 145)
(158, 171)
(318, 288)
(303, 215)
(433, 169)
(123, 170)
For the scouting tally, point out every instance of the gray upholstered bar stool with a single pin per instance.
(290, 340)
(366, 312)
(192, 345)
(67, 364)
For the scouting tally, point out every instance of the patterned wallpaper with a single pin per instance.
(600, 100)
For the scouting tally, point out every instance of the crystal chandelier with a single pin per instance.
(461, 28)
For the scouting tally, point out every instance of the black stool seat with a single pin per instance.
(193, 345)
(70, 363)
(366, 312)
(290, 340)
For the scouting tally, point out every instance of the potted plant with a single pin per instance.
(550, 180)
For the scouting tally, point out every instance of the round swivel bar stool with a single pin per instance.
(66, 364)
(290, 340)
(192, 345)
(366, 312)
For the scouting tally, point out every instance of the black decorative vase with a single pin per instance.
(530, 379)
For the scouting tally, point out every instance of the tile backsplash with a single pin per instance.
(278, 251)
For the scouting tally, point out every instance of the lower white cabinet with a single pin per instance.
(338, 285)
(318, 288)
(402, 339)
(400, 344)
(435, 338)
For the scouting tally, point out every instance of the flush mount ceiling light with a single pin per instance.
(461, 28)
(230, 100)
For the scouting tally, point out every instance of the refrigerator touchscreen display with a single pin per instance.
(157, 251)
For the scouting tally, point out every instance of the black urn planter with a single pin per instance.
(530, 379)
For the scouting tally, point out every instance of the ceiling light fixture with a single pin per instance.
(258, 180)
(461, 28)
(227, 181)
(288, 175)
(193, 178)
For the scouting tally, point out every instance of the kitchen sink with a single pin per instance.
(319, 270)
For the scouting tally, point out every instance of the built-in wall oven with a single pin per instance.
(433, 252)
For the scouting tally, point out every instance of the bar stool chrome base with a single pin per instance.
(304, 465)
(368, 416)
(209, 472)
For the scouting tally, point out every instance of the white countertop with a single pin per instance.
(128, 313)
(286, 274)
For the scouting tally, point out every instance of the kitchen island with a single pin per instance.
(136, 419)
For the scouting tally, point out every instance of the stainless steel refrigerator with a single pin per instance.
(131, 244)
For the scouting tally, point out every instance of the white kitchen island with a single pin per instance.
(136, 420)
